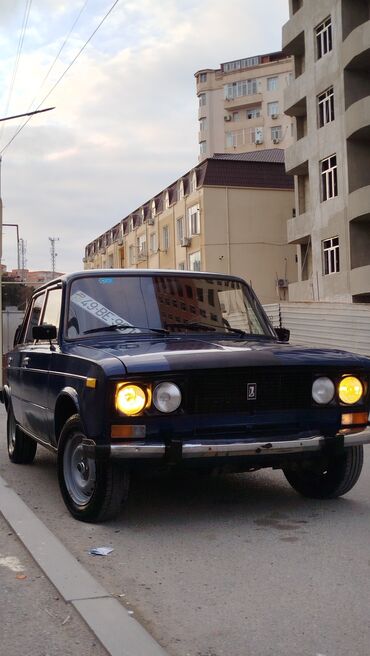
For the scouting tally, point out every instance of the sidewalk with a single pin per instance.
(34, 619)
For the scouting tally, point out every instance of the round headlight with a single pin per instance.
(130, 399)
(350, 390)
(166, 397)
(323, 390)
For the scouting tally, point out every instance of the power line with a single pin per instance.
(18, 55)
(59, 52)
(63, 74)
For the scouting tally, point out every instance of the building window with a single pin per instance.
(152, 209)
(193, 220)
(273, 108)
(324, 39)
(235, 116)
(325, 104)
(202, 99)
(242, 88)
(256, 135)
(329, 180)
(194, 261)
(180, 229)
(276, 133)
(131, 254)
(330, 255)
(165, 238)
(153, 242)
(193, 182)
(202, 147)
(202, 124)
(253, 112)
(166, 200)
(181, 190)
(272, 83)
(202, 77)
(181, 266)
(110, 261)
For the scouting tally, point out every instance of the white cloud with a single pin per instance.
(125, 123)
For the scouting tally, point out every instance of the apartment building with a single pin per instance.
(228, 215)
(241, 105)
(329, 99)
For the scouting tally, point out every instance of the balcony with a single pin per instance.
(295, 103)
(360, 280)
(296, 157)
(299, 227)
(293, 35)
(358, 202)
(354, 13)
(357, 120)
(241, 102)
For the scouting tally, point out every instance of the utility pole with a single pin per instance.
(22, 257)
(52, 252)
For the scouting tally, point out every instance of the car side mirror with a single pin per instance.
(44, 332)
(283, 334)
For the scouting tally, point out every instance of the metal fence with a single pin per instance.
(335, 325)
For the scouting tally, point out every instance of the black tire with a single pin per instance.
(21, 448)
(93, 490)
(331, 480)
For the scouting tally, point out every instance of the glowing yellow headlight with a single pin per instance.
(350, 390)
(131, 399)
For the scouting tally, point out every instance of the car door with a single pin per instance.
(35, 365)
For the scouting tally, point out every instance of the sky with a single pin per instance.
(125, 119)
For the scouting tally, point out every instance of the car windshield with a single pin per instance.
(167, 302)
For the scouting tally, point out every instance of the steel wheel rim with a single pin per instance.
(79, 472)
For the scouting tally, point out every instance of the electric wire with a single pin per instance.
(59, 52)
(17, 57)
(62, 76)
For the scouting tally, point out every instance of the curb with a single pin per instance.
(119, 633)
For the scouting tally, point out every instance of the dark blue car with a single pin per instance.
(122, 369)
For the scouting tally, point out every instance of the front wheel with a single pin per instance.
(329, 480)
(21, 448)
(93, 490)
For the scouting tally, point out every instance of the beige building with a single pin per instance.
(330, 100)
(227, 215)
(241, 105)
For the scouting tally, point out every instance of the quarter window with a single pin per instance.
(329, 178)
(325, 104)
(324, 38)
(330, 255)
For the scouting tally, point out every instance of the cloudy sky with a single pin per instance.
(125, 123)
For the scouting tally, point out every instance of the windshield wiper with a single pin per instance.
(160, 331)
(193, 325)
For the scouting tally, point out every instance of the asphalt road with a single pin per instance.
(229, 566)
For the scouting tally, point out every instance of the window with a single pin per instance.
(325, 104)
(202, 124)
(253, 112)
(235, 138)
(52, 308)
(329, 181)
(324, 40)
(256, 135)
(242, 88)
(202, 77)
(273, 108)
(276, 133)
(152, 209)
(141, 246)
(330, 253)
(165, 238)
(34, 316)
(235, 116)
(202, 99)
(272, 83)
(194, 261)
(193, 182)
(110, 261)
(180, 229)
(181, 266)
(153, 242)
(181, 190)
(202, 147)
(166, 200)
(194, 220)
(241, 63)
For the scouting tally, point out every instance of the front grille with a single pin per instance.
(219, 390)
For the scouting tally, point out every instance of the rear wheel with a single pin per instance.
(93, 490)
(21, 448)
(328, 480)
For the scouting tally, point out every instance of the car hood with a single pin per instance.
(179, 353)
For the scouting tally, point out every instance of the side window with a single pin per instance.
(53, 307)
(34, 316)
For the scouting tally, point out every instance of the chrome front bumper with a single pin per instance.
(219, 448)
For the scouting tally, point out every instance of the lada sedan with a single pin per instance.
(115, 370)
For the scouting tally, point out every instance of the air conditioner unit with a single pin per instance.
(227, 117)
(185, 241)
(259, 141)
(282, 283)
(276, 140)
(274, 115)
